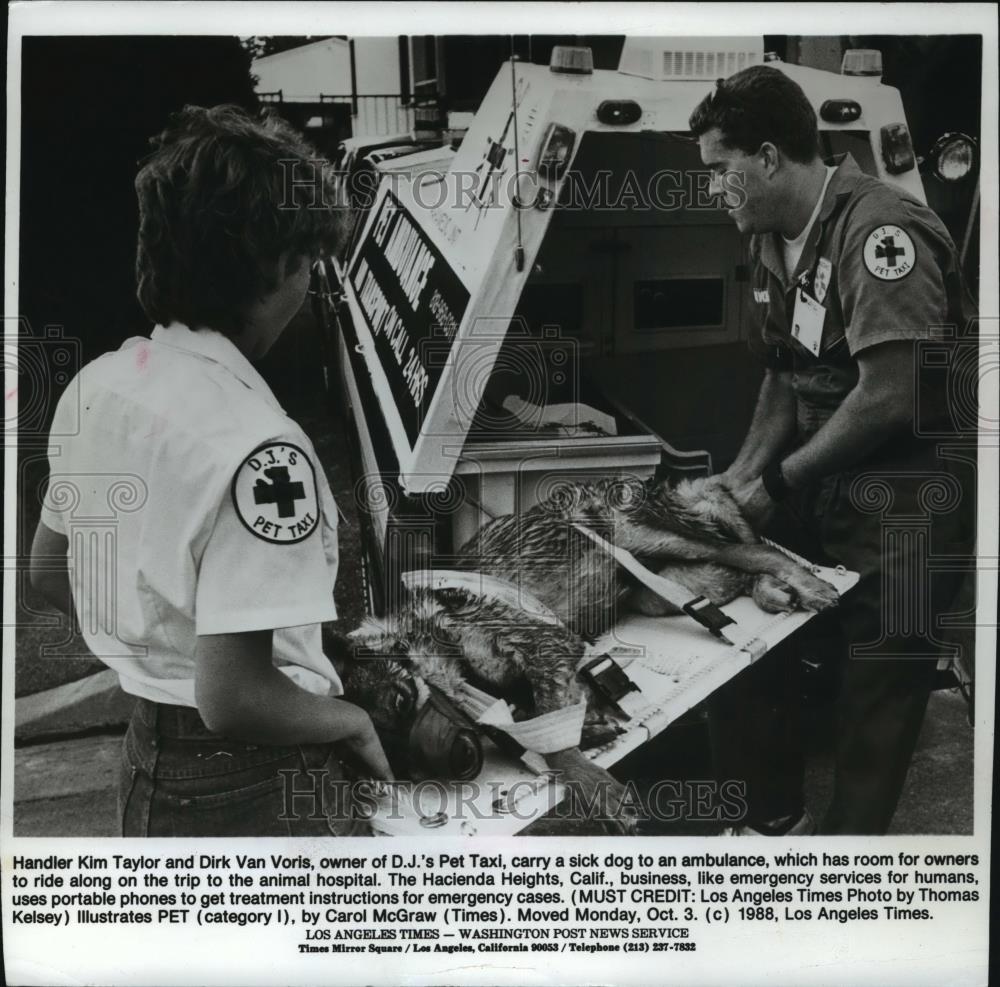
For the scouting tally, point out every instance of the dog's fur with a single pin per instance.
(693, 531)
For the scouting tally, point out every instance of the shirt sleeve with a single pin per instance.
(50, 515)
(267, 562)
(59, 496)
(890, 280)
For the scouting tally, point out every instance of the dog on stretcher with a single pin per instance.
(691, 532)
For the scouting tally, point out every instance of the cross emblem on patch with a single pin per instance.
(889, 250)
(889, 253)
(282, 491)
(275, 495)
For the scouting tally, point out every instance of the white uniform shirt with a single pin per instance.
(192, 505)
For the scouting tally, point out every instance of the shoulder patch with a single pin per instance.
(889, 253)
(274, 492)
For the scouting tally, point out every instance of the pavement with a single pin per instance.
(67, 786)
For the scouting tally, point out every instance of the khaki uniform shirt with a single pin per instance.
(881, 266)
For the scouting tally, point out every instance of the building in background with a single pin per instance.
(383, 86)
(300, 74)
(341, 87)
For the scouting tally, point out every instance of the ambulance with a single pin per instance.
(565, 297)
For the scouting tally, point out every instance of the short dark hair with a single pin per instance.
(218, 209)
(760, 104)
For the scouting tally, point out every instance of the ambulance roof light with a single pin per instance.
(840, 110)
(897, 149)
(572, 60)
(862, 61)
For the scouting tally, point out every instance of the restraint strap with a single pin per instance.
(699, 608)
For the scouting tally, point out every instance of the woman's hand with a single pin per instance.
(361, 742)
(240, 694)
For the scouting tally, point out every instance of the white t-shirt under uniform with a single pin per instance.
(791, 250)
(192, 504)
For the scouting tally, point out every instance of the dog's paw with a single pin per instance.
(816, 594)
(772, 595)
(600, 728)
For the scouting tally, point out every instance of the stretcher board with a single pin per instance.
(674, 662)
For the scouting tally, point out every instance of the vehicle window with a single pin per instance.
(636, 177)
(678, 303)
(559, 305)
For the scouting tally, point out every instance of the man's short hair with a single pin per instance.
(760, 104)
(221, 198)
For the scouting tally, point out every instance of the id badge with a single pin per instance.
(807, 322)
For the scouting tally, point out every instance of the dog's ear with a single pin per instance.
(369, 627)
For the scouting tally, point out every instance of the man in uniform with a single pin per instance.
(196, 521)
(849, 273)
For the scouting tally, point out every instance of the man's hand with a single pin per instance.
(754, 501)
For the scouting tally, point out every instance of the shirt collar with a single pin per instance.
(209, 344)
(842, 183)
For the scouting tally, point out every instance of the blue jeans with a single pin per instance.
(179, 779)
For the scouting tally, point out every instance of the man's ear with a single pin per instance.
(770, 157)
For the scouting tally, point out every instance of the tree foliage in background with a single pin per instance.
(89, 107)
(260, 46)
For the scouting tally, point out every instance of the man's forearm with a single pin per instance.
(771, 428)
(858, 427)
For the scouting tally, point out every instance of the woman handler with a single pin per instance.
(199, 529)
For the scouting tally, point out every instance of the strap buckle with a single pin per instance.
(605, 675)
(708, 615)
